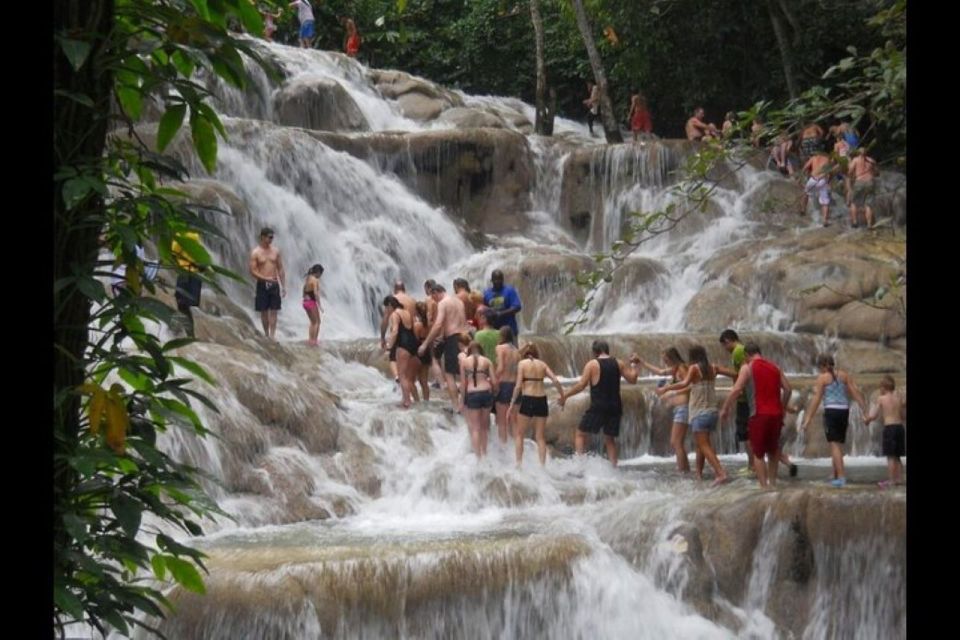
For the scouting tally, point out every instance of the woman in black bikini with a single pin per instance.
(477, 385)
(401, 334)
(533, 400)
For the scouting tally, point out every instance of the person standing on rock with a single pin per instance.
(592, 103)
(700, 380)
(461, 289)
(504, 301)
(677, 369)
(305, 15)
(862, 170)
(768, 392)
(639, 116)
(189, 283)
(894, 411)
(266, 266)
(602, 374)
(451, 321)
(351, 43)
(834, 387)
(819, 168)
(311, 302)
(531, 371)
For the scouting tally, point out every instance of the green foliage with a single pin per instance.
(117, 386)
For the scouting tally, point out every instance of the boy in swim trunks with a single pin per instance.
(894, 410)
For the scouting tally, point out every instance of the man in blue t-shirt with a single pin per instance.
(504, 301)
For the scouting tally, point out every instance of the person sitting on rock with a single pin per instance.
(697, 129)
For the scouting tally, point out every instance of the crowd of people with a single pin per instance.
(307, 29)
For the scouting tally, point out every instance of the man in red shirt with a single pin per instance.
(768, 392)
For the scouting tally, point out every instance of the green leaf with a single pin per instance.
(75, 190)
(68, 602)
(81, 98)
(176, 343)
(204, 141)
(183, 63)
(131, 101)
(159, 566)
(202, 10)
(185, 574)
(75, 526)
(76, 51)
(193, 368)
(250, 17)
(169, 125)
(128, 512)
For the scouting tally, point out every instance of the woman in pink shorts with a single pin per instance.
(311, 301)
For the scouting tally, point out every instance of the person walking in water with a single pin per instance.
(410, 305)
(602, 374)
(311, 302)
(700, 380)
(676, 368)
(507, 357)
(403, 340)
(478, 383)
(266, 266)
(768, 392)
(834, 387)
(305, 15)
(531, 371)
(893, 408)
(451, 321)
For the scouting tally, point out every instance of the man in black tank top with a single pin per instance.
(603, 375)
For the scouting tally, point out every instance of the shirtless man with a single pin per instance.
(410, 306)
(267, 267)
(592, 103)
(697, 129)
(451, 321)
(436, 349)
(862, 170)
(461, 289)
(811, 141)
(820, 168)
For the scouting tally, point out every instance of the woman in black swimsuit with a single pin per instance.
(533, 400)
(401, 334)
(477, 385)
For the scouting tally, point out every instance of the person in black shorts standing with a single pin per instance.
(530, 391)
(603, 375)
(267, 267)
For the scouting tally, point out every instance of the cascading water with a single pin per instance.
(354, 519)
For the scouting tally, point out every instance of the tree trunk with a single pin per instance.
(544, 121)
(610, 127)
(784, 49)
(80, 138)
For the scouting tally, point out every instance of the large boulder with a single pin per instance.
(471, 118)
(317, 103)
(419, 99)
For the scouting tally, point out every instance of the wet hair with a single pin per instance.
(399, 286)
(464, 338)
(729, 335)
(600, 346)
(672, 356)
(422, 311)
(390, 301)
(487, 314)
(506, 334)
(698, 356)
(886, 382)
(461, 283)
(825, 360)
(437, 288)
(428, 284)
(316, 269)
(496, 274)
(475, 349)
(530, 350)
(752, 349)
(266, 231)
(476, 297)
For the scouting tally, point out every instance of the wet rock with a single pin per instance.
(317, 103)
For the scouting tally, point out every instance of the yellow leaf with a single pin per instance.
(117, 420)
(98, 401)
(133, 280)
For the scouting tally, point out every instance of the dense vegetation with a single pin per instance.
(723, 55)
